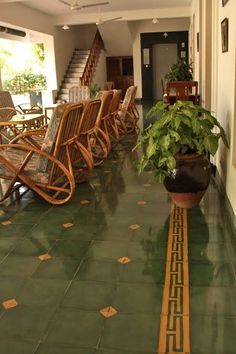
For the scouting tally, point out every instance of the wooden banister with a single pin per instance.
(92, 60)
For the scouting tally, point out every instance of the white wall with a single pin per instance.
(226, 104)
(100, 76)
(117, 38)
(138, 27)
(223, 81)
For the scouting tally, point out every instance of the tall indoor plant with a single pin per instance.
(177, 147)
(180, 71)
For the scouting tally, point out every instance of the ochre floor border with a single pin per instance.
(174, 336)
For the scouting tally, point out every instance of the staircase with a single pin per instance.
(81, 68)
(74, 73)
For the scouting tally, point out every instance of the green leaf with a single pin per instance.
(151, 148)
(211, 144)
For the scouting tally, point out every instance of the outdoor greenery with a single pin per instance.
(180, 71)
(21, 66)
(182, 128)
(94, 89)
(24, 82)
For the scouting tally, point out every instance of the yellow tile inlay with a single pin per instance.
(147, 185)
(141, 202)
(84, 202)
(134, 226)
(68, 224)
(114, 161)
(108, 311)
(97, 184)
(8, 304)
(2, 212)
(44, 257)
(7, 222)
(107, 171)
(124, 260)
(174, 336)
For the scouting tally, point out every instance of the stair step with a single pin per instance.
(72, 80)
(81, 51)
(73, 75)
(67, 85)
(63, 97)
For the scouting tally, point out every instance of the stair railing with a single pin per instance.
(92, 60)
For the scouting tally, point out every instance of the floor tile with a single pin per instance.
(70, 248)
(217, 301)
(56, 268)
(42, 292)
(75, 327)
(61, 349)
(18, 266)
(211, 274)
(108, 250)
(15, 230)
(10, 287)
(211, 252)
(131, 332)
(89, 295)
(103, 271)
(217, 335)
(24, 323)
(143, 272)
(138, 298)
(17, 346)
(33, 247)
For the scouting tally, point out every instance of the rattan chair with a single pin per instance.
(46, 169)
(127, 116)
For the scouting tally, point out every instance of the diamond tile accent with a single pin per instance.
(134, 226)
(7, 222)
(147, 185)
(107, 171)
(97, 184)
(2, 212)
(68, 224)
(124, 260)
(8, 304)
(114, 161)
(84, 202)
(141, 202)
(108, 311)
(44, 257)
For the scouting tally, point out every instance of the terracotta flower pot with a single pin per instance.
(188, 182)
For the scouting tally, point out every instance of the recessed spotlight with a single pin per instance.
(65, 27)
(155, 20)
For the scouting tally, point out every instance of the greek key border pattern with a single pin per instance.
(174, 334)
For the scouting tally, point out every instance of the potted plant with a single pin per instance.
(180, 71)
(177, 147)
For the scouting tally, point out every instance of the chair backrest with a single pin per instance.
(129, 97)
(6, 101)
(115, 101)
(182, 90)
(88, 120)
(109, 85)
(78, 93)
(63, 126)
(106, 98)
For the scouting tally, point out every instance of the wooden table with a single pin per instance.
(18, 123)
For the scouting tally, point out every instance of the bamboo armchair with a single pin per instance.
(46, 169)
(128, 116)
(100, 142)
(8, 110)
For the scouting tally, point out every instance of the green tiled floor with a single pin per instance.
(59, 300)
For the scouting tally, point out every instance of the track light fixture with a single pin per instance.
(65, 27)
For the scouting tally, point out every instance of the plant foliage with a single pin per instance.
(25, 81)
(182, 128)
(181, 71)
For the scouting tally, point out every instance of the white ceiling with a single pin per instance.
(128, 9)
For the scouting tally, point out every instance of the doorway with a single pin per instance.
(163, 56)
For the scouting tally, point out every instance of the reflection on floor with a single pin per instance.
(90, 277)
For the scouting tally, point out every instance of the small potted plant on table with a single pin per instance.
(177, 147)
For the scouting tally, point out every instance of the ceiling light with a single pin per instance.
(155, 20)
(65, 27)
